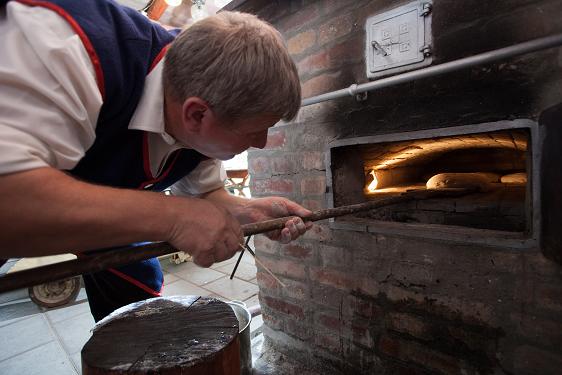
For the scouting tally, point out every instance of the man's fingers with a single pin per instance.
(296, 209)
(292, 226)
(301, 226)
(296, 227)
(233, 243)
(205, 259)
(285, 236)
(240, 235)
(222, 251)
(236, 231)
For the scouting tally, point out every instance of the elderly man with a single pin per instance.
(101, 109)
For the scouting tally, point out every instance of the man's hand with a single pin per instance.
(260, 209)
(215, 235)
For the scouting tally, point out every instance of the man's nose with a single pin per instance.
(260, 140)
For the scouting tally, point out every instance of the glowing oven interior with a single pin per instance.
(496, 163)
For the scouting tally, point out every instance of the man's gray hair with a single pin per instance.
(238, 64)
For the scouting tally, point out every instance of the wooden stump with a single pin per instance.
(168, 335)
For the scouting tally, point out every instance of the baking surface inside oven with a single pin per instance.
(494, 166)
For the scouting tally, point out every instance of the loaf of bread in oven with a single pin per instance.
(481, 181)
(514, 178)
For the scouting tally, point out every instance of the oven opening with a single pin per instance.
(494, 166)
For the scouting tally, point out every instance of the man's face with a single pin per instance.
(223, 140)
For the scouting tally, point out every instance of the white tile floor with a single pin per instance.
(34, 340)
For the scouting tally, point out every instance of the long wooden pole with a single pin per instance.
(97, 260)
(269, 225)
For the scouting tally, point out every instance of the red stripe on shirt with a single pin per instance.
(146, 157)
(146, 164)
(158, 57)
(83, 37)
(135, 282)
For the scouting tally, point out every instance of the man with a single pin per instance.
(97, 115)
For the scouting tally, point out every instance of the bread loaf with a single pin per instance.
(477, 181)
(514, 178)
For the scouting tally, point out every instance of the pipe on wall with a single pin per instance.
(467, 62)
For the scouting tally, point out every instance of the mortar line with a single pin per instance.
(26, 351)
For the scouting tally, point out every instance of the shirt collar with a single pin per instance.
(149, 114)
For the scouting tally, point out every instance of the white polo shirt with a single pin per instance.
(50, 101)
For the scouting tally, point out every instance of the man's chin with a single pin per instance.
(222, 157)
(226, 157)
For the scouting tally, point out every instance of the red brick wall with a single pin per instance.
(359, 302)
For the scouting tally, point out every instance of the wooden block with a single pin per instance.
(168, 335)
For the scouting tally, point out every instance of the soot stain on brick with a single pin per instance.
(474, 344)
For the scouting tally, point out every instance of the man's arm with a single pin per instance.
(46, 124)
(259, 209)
(44, 211)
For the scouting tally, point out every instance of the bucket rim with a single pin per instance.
(241, 306)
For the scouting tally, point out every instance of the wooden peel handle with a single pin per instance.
(269, 225)
(279, 223)
(98, 260)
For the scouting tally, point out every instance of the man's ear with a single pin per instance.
(194, 110)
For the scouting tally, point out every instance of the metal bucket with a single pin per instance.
(244, 319)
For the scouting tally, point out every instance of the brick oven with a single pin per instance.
(465, 284)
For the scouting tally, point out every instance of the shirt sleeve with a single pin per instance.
(49, 97)
(209, 175)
